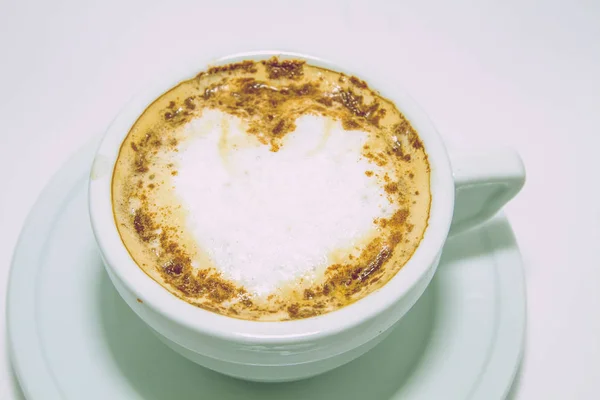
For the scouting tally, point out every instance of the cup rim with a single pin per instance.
(153, 295)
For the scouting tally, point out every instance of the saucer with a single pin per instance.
(72, 337)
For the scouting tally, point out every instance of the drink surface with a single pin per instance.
(271, 190)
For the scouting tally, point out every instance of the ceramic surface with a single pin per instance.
(284, 351)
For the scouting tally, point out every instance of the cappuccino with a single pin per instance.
(271, 190)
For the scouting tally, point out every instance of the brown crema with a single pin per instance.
(269, 96)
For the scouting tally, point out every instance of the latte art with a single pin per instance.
(275, 217)
(271, 190)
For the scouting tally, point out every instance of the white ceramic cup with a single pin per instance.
(465, 192)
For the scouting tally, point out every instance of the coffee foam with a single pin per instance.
(266, 219)
(271, 190)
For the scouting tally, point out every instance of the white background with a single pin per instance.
(517, 73)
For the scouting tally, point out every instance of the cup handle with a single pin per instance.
(483, 184)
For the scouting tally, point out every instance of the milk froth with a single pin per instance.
(266, 218)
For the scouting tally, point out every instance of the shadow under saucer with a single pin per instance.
(157, 372)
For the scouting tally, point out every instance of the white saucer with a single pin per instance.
(72, 337)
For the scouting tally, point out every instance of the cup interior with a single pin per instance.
(160, 300)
